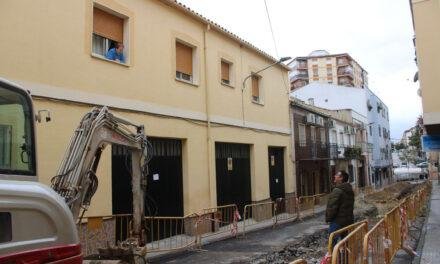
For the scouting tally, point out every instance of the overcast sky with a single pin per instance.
(376, 33)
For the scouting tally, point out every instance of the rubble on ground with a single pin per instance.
(371, 207)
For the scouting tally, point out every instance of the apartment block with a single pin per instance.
(323, 67)
(367, 108)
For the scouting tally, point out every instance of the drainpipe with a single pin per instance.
(292, 150)
(208, 116)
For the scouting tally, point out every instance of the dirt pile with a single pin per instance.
(310, 248)
(386, 199)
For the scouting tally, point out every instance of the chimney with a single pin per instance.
(311, 101)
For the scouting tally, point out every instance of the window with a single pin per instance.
(17, 153)
(225, 72)
(302, 135)
(380, 132)
(328, 58)
(314, 59)
(313, 134)
(184, 62)
(341, 139)
(5, 227)
(322, 134)
(329, 70)
(5, 145)
(256, 89)
(108, 30)
(371, 130)
(315, 70)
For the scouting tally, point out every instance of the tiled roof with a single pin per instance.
(219, 28)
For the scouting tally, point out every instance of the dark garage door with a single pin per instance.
(164, 196)
(233, 174)
(276, 172)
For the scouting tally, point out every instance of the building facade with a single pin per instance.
(180, 75)
(323, 67)
(371, 112)
(312, 149)
(426, 18)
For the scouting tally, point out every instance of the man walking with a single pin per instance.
(340, 204)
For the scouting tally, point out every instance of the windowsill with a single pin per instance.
(96, 56)
(187, 82)
(258, 103)
(226, 84)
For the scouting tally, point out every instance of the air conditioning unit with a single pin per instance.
(320, 121)
(331, 123)
(346, 129)
(310, 118)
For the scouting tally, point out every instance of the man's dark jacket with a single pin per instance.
(340, 205)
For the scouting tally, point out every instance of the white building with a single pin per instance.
(368, 109)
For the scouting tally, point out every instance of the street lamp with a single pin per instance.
(283, 59)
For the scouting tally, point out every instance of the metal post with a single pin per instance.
(138, 196)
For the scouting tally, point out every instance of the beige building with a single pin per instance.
(321, 66)
(181, 76)
(426, 18)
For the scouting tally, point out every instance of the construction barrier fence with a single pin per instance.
(381, 243)
(350, 249)
(286, 209)
(256, 213)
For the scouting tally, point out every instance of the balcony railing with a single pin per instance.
(300, 76)
(346, 71)
(311, 150)
(302, 65)
(338, 151)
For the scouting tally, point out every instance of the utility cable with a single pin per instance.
(283, 78)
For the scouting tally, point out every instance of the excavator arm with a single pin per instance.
(76, 180)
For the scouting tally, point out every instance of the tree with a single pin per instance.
(409, 155)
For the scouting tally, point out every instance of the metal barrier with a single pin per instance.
(376, 244)
(286, 209)
(321, 199)
(392, 221)
(341, 232)
(307, 203)
(101, 231)
(255, 213)
(167, 233)
(349, 250)
(216, 220)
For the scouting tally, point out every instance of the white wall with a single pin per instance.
(334, 97)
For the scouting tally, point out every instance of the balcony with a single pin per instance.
(345, 81)
(346, 71)
(352, 152)
(342, 61)
(309, 150)
(363, 146)
(302, 65)
(300, 75)
(298, 84)
(336, 151)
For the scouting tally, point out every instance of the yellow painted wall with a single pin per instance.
(426, 21)
(51, 46)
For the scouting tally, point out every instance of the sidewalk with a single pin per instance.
(431, 231)
(254, 244)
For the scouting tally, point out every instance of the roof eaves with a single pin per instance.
(199, 17)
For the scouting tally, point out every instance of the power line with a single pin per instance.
(283, 78)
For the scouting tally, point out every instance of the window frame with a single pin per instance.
(231, 74)
(32, 171)
(302, 141)
(194, 57)
(260, 99)
(125, 34)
